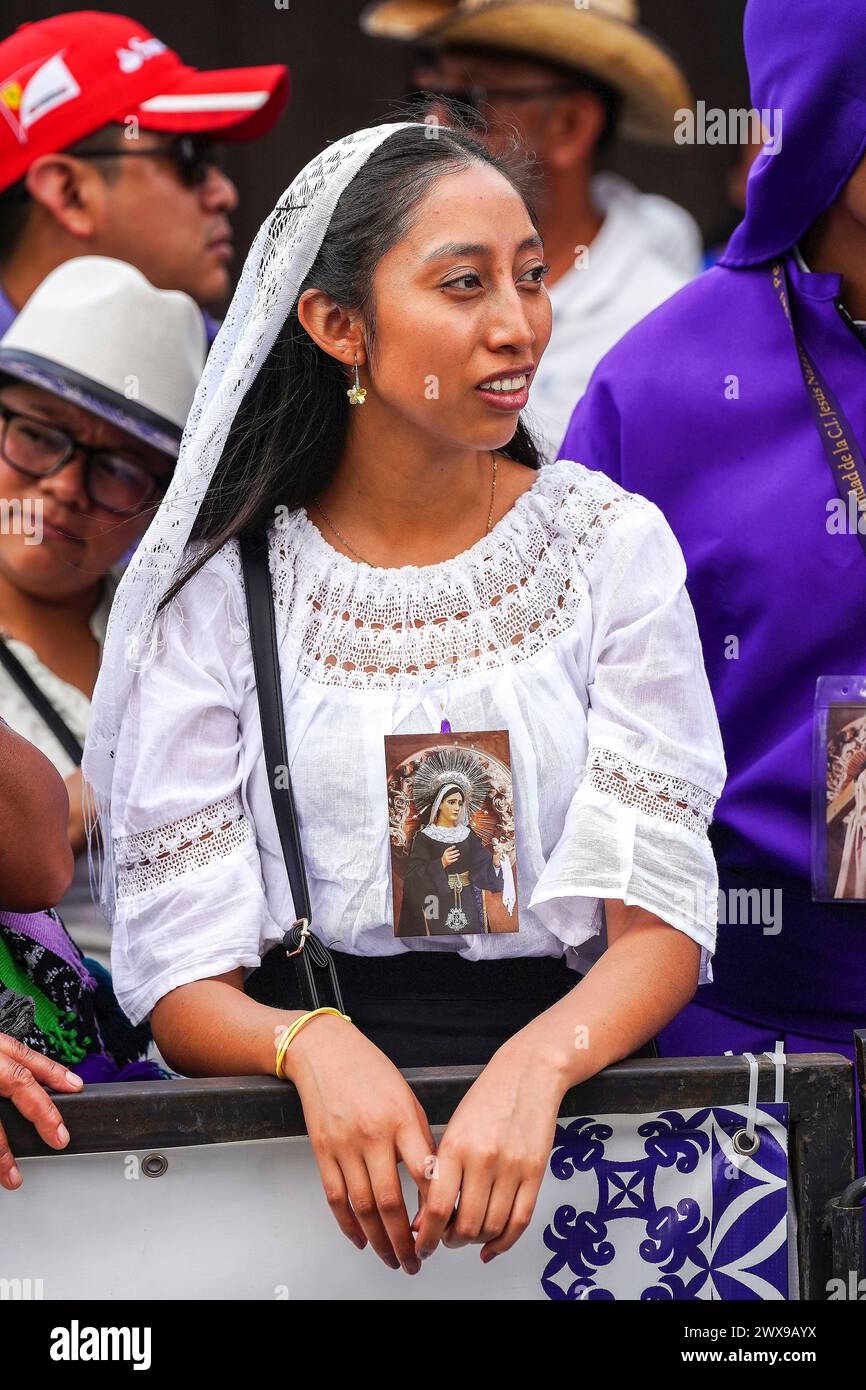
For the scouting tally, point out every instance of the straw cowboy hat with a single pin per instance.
(601, 37)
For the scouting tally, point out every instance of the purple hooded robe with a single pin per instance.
(702, 408)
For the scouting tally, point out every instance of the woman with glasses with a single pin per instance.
(96, 377)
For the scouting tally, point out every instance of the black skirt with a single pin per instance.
(433, 1008)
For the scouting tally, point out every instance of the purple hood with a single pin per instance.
(807, 59)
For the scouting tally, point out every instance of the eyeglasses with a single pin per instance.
(192, 156)
(111, 480)
(475, 97)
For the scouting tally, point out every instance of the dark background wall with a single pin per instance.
(343, 80)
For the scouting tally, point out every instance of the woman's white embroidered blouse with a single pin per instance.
(569, 625)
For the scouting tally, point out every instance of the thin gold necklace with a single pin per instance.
(329, 523)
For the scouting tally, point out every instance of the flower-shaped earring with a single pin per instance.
(357, 393)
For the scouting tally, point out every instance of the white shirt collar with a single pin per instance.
(446, 834)
(798, 256)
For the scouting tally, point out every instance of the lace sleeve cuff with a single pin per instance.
(191, 904)
(160, 856)
(653, 793)
(638, 836)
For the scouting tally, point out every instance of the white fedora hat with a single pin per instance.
(97, 333)
(601, 37)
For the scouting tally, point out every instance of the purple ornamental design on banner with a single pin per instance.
(721, 1233)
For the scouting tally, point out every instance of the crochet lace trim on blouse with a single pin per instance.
(163, 855)
(654, 793)
(501, 602)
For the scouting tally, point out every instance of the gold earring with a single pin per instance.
(357, 393)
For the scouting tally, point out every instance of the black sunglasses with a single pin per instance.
(192, 155)
(39, 449)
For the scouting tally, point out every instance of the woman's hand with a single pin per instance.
(362, 1120)
(448, 858)
(21, 1071)
(493, 1154)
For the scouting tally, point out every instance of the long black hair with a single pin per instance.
(288, 435)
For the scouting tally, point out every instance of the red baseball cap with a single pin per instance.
(63, 78)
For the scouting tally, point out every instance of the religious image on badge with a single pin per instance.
(451, 821)
(846, 801)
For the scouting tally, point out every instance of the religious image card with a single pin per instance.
(839, 790)
(451, 824)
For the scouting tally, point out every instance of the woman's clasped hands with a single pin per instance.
(477, 1186)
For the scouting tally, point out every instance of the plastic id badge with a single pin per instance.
(839, 790)
(451, 820)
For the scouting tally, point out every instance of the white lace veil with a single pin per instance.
(278, 262)
(463, 818)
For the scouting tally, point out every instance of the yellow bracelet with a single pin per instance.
(293, 1029)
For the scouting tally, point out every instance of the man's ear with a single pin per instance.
(69, 191)
(336, 331)
(575, 129)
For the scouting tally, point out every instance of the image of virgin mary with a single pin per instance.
(846, 795)
(851, 882)
(450, 869)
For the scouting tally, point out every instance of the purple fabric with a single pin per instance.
(702, 408)
(806, 59)
(8, 315)
(46, 930)
(212, 326)
(99, 1068)
(702, 1032)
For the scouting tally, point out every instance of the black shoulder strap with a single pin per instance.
(41, 703)
(263, 639)
(310, 956)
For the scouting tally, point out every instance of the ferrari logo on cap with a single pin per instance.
(11, 95)
(32, 92)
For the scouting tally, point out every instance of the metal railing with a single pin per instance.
(819, 1091)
